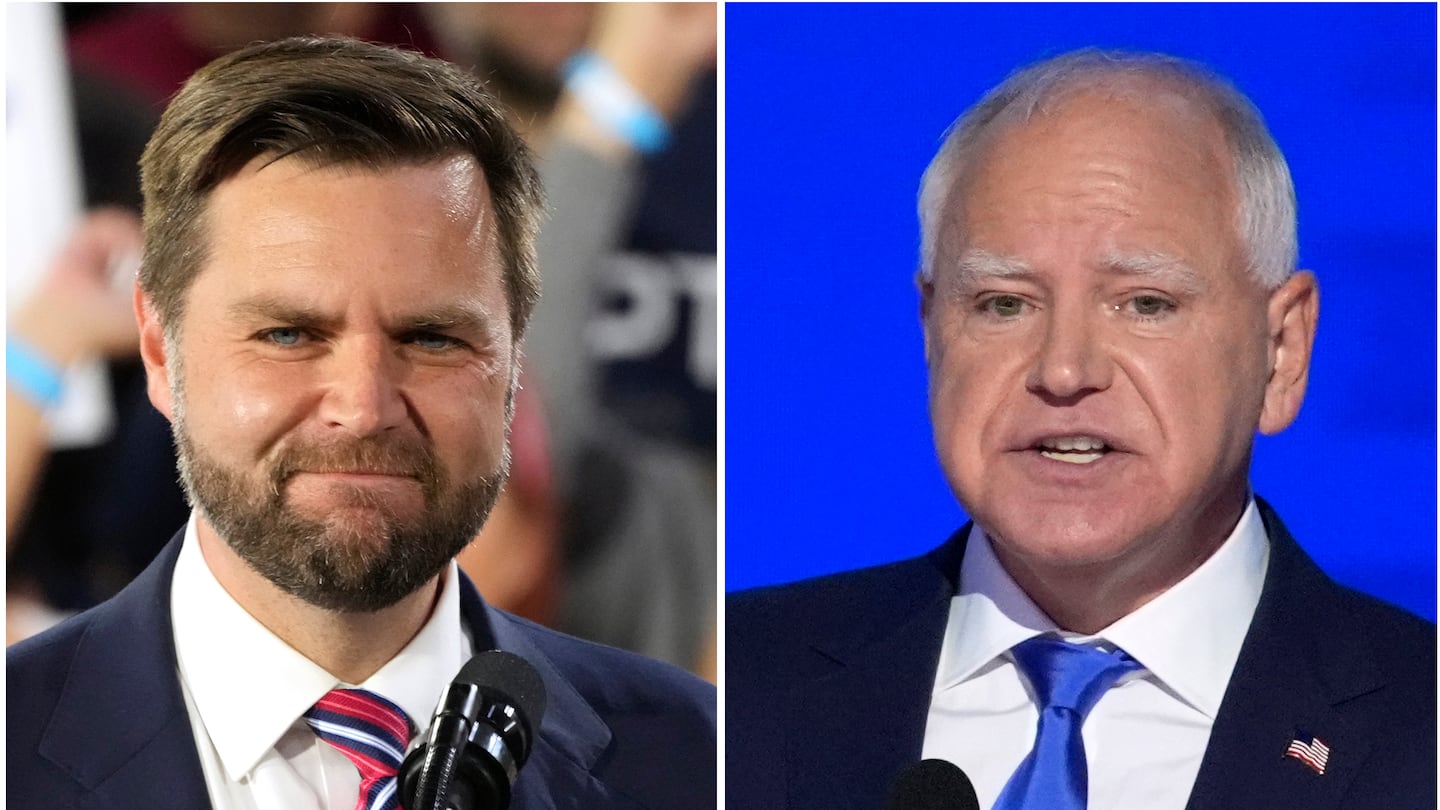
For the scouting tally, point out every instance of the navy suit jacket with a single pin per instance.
(828, 686)
(95, 717)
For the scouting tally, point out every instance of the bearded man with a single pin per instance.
(339, 267)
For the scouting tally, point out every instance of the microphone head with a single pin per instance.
(482, 733)
(507, 677)
(933, 784)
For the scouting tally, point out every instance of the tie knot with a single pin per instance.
(371, 732)
(1070, 676)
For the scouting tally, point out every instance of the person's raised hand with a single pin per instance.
(658, 47)
(83, 305)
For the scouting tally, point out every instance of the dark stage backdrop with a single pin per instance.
(832, 113)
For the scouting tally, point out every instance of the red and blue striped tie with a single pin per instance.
(371, 732)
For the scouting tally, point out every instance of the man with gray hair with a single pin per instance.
(1110, 309)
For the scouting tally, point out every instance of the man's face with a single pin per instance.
(339, 382)
(1099, 357)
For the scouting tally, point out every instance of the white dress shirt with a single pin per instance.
(247, 691)
(1145, 738)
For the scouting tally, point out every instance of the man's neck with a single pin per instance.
(352, 646)
(1090, 597)
(1087, 599)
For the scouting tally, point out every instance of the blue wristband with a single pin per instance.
(613, 104)
(31, 374)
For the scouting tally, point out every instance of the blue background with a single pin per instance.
(832, 113)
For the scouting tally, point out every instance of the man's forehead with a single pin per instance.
(272, 189)
(288, 229)
(458, 182)
(1160, 171)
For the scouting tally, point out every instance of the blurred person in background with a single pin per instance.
(148, 50)
(77, 311)
(629, 257)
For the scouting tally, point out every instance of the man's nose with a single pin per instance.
(364, 394)
(1070, 361)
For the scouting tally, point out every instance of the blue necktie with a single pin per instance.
(1068, 680)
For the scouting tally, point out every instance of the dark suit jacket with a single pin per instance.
(828, 687)
(95, 716)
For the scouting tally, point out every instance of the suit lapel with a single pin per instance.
(1288, 680)
(866, 709)
(120, 727)
(572, 736)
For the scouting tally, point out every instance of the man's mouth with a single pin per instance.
(1073, 449)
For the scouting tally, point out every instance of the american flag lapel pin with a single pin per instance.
(1310, 750)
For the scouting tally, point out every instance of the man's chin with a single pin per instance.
(362, 531)
(353, 560)
(341, 577)
(338, 596)
(1060, 539)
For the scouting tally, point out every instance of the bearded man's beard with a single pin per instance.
(361, 558)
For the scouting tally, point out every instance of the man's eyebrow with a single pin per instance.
(268, 308)
(455, 316)
(976, 264)
(1151, 264)
(450, 316)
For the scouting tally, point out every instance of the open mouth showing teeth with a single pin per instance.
(1073, 449)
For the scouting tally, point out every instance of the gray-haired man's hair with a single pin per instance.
(1265, 221)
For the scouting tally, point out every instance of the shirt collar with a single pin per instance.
(250, 687)
(1188, 637)
(988, 616)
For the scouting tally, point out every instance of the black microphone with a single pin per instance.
(483, 731)
(933, 784)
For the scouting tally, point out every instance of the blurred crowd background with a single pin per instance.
(607, 528)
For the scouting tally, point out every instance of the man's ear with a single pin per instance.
(152, 353)
(1292, 314)
(926, 287)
